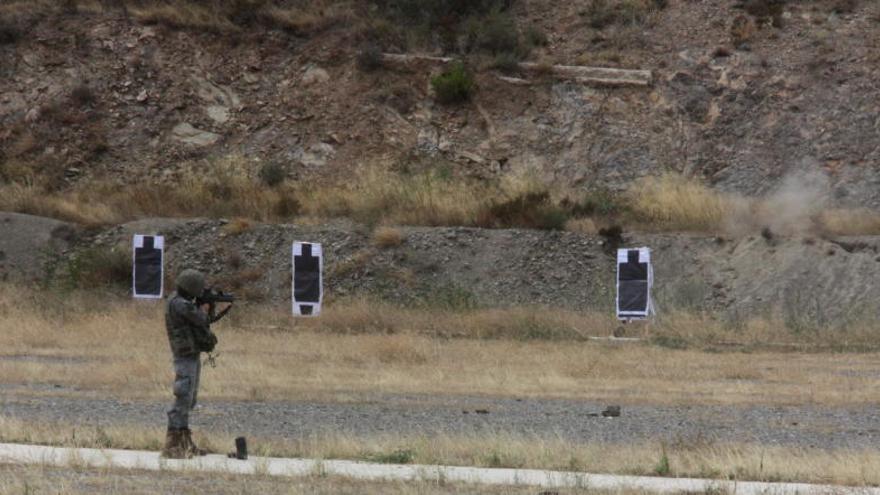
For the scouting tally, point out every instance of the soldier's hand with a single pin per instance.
(205, 307)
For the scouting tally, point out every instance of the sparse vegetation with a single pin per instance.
(532, 209)
(228, 188)
(506, 62)
(766, 10)
(662, 468)
(469, 345)
(444, 14)
(387, 237)
(218, 188)
(399, 456)
(603, 13)
(226, 16)
(404, 350)
(369, 58)
(98, 267)
(536, 37)
(673, 202)
(496, 33)
(237, 226)
(273, 173)
(79, 480)
(455, 85)
(690, 458)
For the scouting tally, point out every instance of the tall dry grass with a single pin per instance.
(226, 187)
(672, 202)
(686, 458)
(83, 343)
(231, 187)
(374, 194)
(76, 479)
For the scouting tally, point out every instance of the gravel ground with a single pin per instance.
(802, 426)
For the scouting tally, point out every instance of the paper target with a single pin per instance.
(307, 287)
(635, 279)
(148, 271)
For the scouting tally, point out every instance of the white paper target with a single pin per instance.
(635, 279)
(307, 287)
(148, 270)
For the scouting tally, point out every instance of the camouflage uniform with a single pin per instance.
(187, 326)
(189, 334)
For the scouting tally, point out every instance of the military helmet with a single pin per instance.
(190, 281)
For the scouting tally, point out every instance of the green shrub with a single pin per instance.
(435, 12)
(498, 34)
(506, 62)
(402, 456)
(287, 206)
(536, 37)
(596, 202)
(455, 85)
(99, 267)
(450, 298)
(272, 173)
(369, 58)
(603, 13)
(662, 468)
(532, 210)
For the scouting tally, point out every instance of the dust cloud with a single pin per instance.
(794, 208)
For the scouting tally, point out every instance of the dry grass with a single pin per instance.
(387, 237)
(231, 187)
(86, 345)
(695, 458)
(76, 480)
(375, 195)
(851, 222)
(672, 202)
(183, 14)
(300, 17)
(582, 226)
(226, 187)
(237, 226)
(359, 347)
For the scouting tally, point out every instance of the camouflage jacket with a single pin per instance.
(188, 327)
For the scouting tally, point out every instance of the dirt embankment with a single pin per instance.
(802, 279)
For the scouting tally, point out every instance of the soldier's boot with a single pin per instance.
(191, 446)
(176, 445)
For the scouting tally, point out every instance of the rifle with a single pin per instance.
(211, 297)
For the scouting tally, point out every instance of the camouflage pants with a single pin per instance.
(186, 389)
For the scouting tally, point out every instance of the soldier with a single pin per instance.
(189, 333)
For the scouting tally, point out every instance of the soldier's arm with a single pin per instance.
(193, 315)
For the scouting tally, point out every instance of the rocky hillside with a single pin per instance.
(740, 97)
(743, 96)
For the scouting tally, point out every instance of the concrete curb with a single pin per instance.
(273, 466)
